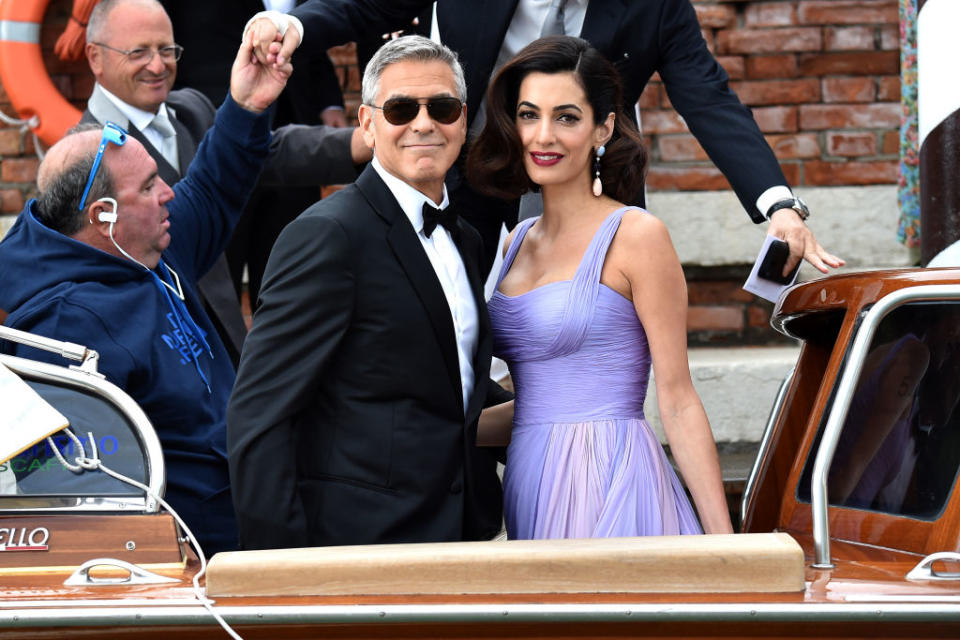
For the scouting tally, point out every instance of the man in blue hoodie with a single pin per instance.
(108, 256)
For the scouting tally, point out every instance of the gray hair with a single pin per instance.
(404, 48)
(97, 21)
(58, 204)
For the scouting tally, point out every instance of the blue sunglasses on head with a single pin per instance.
(111, 133)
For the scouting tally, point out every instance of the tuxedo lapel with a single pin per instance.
(413, 259)
(603, 19)
(468, 244)
(476, 30)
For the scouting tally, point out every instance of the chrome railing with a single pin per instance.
(88, 358)
(86, 378)
(841, 404)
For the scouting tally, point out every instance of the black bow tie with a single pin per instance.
(433, 216)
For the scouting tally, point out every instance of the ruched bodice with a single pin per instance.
(582, 460)
(551, 383)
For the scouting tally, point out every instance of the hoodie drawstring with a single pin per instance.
(185, 322)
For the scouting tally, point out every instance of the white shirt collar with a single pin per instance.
(409, 199)
(284, 6)
(138, 117)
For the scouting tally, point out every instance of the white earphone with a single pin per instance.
(108, 216)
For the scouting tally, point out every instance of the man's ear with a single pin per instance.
(94, 59)
(100, 214)
(365, 116)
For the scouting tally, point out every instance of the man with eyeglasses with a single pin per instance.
(133, 56)
(108, 255)
(354, 416)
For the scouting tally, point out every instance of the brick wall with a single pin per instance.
(822, 78)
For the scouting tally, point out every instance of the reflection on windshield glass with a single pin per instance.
(900, 446)
(37, 471)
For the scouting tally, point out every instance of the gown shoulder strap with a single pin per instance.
(520, 231)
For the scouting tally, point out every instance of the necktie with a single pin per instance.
(433, 216)
(553, 25)
(162, 125)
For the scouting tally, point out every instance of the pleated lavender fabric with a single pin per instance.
(582, 462)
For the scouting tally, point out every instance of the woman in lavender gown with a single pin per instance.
(591, 292)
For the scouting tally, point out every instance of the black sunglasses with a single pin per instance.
(403, 110)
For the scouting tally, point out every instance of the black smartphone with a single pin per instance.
(771, 267)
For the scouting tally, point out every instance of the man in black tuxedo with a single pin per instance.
(354, 416)
(639, 36)
(133, 91)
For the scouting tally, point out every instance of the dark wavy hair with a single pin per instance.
(495, 161)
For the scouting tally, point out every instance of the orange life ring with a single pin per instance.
(24, 77)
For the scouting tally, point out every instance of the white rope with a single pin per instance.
(93, 462)
(30, 124)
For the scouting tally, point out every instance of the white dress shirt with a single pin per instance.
(448, 265)
(141, 119)
(283, 6)
(528, 20)
(525, 26)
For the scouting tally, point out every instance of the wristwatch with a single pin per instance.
(794, 203)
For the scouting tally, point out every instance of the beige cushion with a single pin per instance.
(759, 562)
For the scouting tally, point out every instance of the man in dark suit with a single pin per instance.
(355, 411)
(209, 30)
(133, 90)
(640, 37)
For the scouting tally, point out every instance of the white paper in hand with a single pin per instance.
(25, 417)
(766, 289)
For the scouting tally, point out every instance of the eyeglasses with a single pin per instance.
(403, 110)
(143, 55)
(111, 133)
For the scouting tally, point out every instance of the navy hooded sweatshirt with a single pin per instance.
(147, 339)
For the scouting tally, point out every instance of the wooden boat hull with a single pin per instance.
(866, 595)
(509, 590)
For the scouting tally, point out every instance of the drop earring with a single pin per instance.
(597, 185)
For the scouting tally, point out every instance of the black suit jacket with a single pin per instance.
(210, 31)
(347, 424)
(639, 36)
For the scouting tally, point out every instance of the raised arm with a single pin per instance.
(327, 23)
(699, 90)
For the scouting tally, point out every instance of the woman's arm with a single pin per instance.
(643, 253)
(495, 425)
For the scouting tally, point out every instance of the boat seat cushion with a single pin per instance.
(758, 562)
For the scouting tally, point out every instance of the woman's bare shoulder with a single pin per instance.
(642, 231)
